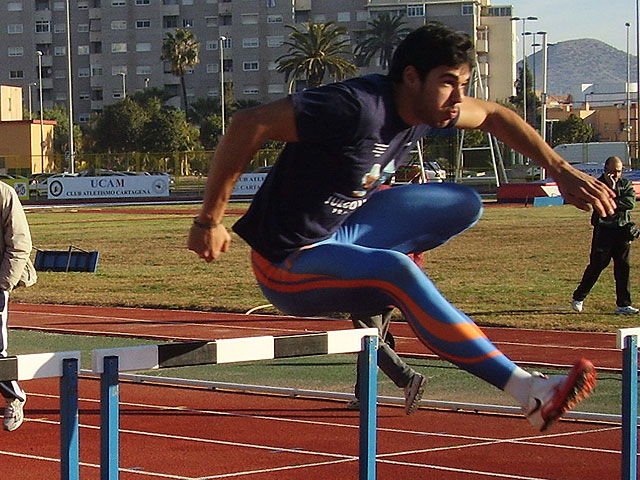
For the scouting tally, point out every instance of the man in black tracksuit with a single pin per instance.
(611, 241)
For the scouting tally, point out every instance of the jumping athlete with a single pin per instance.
(321, 242)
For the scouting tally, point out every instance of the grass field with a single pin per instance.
(517, 267)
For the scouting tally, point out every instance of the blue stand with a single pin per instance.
(630, 408)
(368, 366)
(109, 421)
(69, 449)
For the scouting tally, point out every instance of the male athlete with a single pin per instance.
(322, 243)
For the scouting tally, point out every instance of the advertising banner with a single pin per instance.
(116, 186)
(247, 185)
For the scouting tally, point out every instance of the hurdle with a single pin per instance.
(627, 340)
(63, 365)
(109, 362)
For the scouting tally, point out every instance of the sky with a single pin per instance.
(573, 19)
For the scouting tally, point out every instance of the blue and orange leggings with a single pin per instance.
(363, 267)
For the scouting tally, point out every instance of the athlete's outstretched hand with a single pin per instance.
(583, 190)
(209, 243)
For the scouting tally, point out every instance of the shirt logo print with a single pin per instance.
(379, 149)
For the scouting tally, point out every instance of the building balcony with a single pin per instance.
(171, 10)
(482, 46)
(43, 37)
(225, 8)
(95, 13)
(302, 5)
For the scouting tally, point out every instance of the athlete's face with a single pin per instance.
(439, 95)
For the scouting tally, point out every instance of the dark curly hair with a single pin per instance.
(430, 46)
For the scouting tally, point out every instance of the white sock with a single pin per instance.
(518, 385)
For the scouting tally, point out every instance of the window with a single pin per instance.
(187, 22)
(59, 6)
(467, 9)
(415, 10)
(83, 49)
(276, 88)
(250, 43)
(83, 73)
(117, 25)
(96, 47)
(187, 2)
(142, 2)
(14, 28)
(16, 74)
(84, 96)
(213, 93)
(170, 22)
(211, 21)
(274, 18)
(362, 15)
(83, 27)
(271, 3)
(83, 5)
(227, 43)
(143, 70)
(225, 20)
(84, 117)
(251, 90)
(16, 51)
(275, 41)
(320, 18)
(213, 68)
(143, 23)
(61, 96)
(143, 47)
(252, 66)
(344, 16)
(118, 48)
(118, 69)
(118, 3)
(14, 7)
(59, 28)
(43, 26)
(170, 2)
(96, 70)
(60, 74)
(59, 51)
(96, 95)
(211, 45)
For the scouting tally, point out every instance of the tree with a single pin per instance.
(315, 50)
(119, 126)
(381, 38)
(533, 103)
(181, 49)
(571, 130)
(202, 108)
(61, 130)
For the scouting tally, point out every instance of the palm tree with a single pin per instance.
(181, 49)
(381, 38)
(315, 50)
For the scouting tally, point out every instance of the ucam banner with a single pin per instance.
(116, 186)
(247, 185)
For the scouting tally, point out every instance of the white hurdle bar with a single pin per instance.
(63, 365)
(108, 362)
(627, 340)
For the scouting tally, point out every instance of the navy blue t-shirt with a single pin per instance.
(348, 132)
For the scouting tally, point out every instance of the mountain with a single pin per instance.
(574, 62)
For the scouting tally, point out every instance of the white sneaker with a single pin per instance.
(628, 310)
(577, 305)
(13, 413)
(551, 397)
(413, 393)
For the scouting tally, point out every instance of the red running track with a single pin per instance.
(188, 434)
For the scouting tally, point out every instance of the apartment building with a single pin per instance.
(116, 44)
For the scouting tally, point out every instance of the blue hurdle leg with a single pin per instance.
(368, 366)
(630, 408)
(109, 421)
(69, 451)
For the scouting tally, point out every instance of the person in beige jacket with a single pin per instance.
(16, 270)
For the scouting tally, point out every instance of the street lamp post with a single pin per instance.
(70, 91)
(33, 84)
(39, 54)
(222, 39)
(543, 96)
(146, 82)
(124, 84)
(627, 92)
(524, 64)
